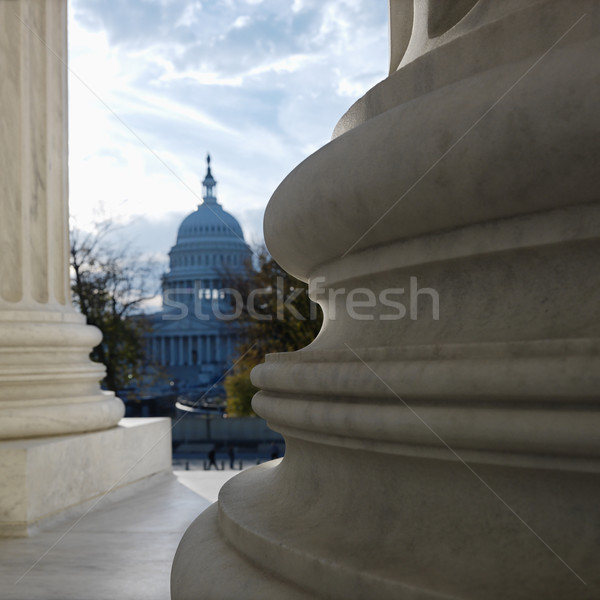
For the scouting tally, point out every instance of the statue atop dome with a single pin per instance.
(209, 184)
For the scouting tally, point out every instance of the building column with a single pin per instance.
(196, 306)
(180, 354)
(48, 385)
(163, 351)
(208, 355)
(442, 430)
(59, 443)
(172, 352)
(218, 348)
(190, 350)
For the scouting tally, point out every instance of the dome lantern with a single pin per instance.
(209, 184)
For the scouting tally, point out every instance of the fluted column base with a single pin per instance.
(444, 444)
(409, 523)
(48, 384)
(224, 574)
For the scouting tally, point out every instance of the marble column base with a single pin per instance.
(451, 450)
(411, 523)
(48, 384)
(43, 477)
(232, 577)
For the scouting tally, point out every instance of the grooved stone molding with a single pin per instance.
(34, 224)
(452, 452)
(48, 385)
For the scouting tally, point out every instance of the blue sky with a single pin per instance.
(155, 84)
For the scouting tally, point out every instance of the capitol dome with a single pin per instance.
(208, 240)
(209, 220)
(192, 338)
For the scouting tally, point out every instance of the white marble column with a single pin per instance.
(163, 351)
(442, 430)
(48, 385)
(218, 348)
(172, 353)
(209, 349)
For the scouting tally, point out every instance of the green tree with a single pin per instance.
(109, 283)
(278, 317)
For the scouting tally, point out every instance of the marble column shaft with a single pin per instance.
(48, 385)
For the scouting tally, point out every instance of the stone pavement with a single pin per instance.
(120, 547)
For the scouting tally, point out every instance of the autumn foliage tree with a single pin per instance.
(109, 283)
(277, 316)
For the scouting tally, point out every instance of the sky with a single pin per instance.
(156, 84)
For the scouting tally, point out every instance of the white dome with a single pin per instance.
(209, 220)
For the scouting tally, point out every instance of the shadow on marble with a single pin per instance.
(123, 548)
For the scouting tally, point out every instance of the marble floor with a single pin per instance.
(121, 547)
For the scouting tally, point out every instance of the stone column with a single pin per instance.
(48, 385)
(442, 430)
(59, 445)
(218, 348)
(229, 349)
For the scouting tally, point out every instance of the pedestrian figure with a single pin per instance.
(231, 452)
(211, 459)
(274, 451)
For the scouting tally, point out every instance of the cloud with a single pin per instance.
(241, 21)
(258, 84)
(190, 15)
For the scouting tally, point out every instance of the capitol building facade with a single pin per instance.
(192, 339)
